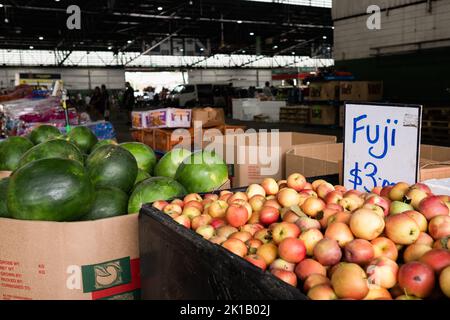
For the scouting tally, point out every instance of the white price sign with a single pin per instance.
(381, 145)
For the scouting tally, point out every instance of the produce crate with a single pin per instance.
(298, 115)
(137, 134)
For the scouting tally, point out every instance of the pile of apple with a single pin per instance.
(331, 242)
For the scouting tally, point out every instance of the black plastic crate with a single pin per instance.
(177, 263)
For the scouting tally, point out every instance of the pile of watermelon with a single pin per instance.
(78, 178)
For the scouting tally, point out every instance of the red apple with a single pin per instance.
(325, 215)
(424, 239)
(351, 202)
(414, 252)
(200, 221)
(333, 197)
(270, 186)
(317, 183)
(217, 223)
(377, 209)
(226, 196)
(340, 189)
(191, 212)
(292, 250)
(342, 216)
(192, 197)
(315, 280)
(420, 220)
(385, 191)
(286, 276)
(415, 196)
(327, 252)
(433, 206)
(253, 245)
(310, 238)
(272, 203)
(269, 215)
(285, 230)
(268, 252)
(183, 220)
(322, 292)
(283, 265)
(173, 210)
(251, 228)
(226, 231)
(359, 251)
(237, 215)
(255, 189)
(313, 206)
(195, 204)
(384, 247)
(247, 205)
(340, 232)
(305, 224)
(349, 281)
(308, 186)
(236, 246)
(416, 279)
(244, 236)
(382, 272)
(309, 267)
(444, 281)
(377, 190)
(211, 196)
(288, 197)
(290, 216)
(366, 224)
(439, 227)
(296, 181)
(254, 219)
(218, 240)
(264, 235)
(379, 201)
(238, 196)
(257, 261)
(178, 202)
(257, 202)
(218, 208)
(377, 293)
(324, 189)
(308, 193)
(206, 203)
(160, 205)
(442, 244)
(422, 186)
(437, 259)
(206, 231)
(402, 229)
(398, 192)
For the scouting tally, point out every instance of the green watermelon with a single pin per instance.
(141, 176)
(11, 150)
(145, 157)
(112, 166)
(50, 190)
(154, 189)
(44, 133)
(52, 149)
(103, 143)
(108, 202)
(169, 163)
(83, 138)
(3, 207)
(202, 172)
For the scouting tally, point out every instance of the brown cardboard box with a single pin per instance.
(320, 91)
(70, 261)
(250, 162)
(209, 117)
(361, 90)
(328, 159)
(323, 115)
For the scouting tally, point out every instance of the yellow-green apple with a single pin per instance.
(206, 231)
(244, 236)
(398, 207)
(439, 227)
(382, 272)
(315, 280)
(192, 197)
(417, 279)
(257, 202)
(333, 197)
(286, 276)
(272, 203)
(340, 232)
(305, 224)
(425, 239)
(285, 230)
(308, 267)
(257, 261)
(342, 216)
(366, 224)
(420, 220)
(402, 229)
(377, 293)
(359, 251)
(444, 281)
(217, 223)
(414, 252)
(238, 196)
(193, 203)
(282, 265)
(173, 210)
(384, 247)
(269, 215)
(288, 197)
(322, 292)
(218, 209)
(437, 259)
(200, 221)
(268, 252)
(310, 238)
(191, 212)
(313, 206)
(433, 206)
(270, 186)
(415, 196)
(237, 215)
(317, 183)
(384, 203)
(327, 252)
(324, 189)
(183, 220)
(255, 189)
(349, 281)
(218, 240)
(253, 245)
(160, 204)
(296, 181)
(398, 192)
(236, 246)
(264, 235)
(226, 231)
(292, 250)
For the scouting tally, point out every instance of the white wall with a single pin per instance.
(74, 78)
(410, 24)
(239, 77)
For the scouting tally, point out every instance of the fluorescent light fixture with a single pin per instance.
(109, 48)
(325, 38)
(41, 38)
(293, 52)
(252, 33)
(239, 21)
(160, 8)
(31, 47)
(275, 47)
(129, 41)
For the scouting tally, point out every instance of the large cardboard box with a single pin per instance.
(321, 91)
(314, 160)
(208, 117)
(361, 90)
(70, 261)
(254, 156)
(323, 115)
(169, 118)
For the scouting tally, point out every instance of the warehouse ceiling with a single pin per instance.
(172, 27)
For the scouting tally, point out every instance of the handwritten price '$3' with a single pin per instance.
(369, 171)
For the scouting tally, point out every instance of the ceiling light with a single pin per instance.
(202, 49)
(239, 21)
(325, 37)
(275, 47)
(181, 50)
(332, 28)
(1, 5)
(57, 0)
(41, 38)
(293, 53)
(31, 47)
(252, 33)
(129, 41)
(329, 48)
(109, 48)
(243, 51)
(6, 20)
(160, 8)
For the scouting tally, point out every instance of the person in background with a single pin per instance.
(97, 107)
(294, 94)
(105, 102)
(267, 91)
(128, 100)
(252, 92)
